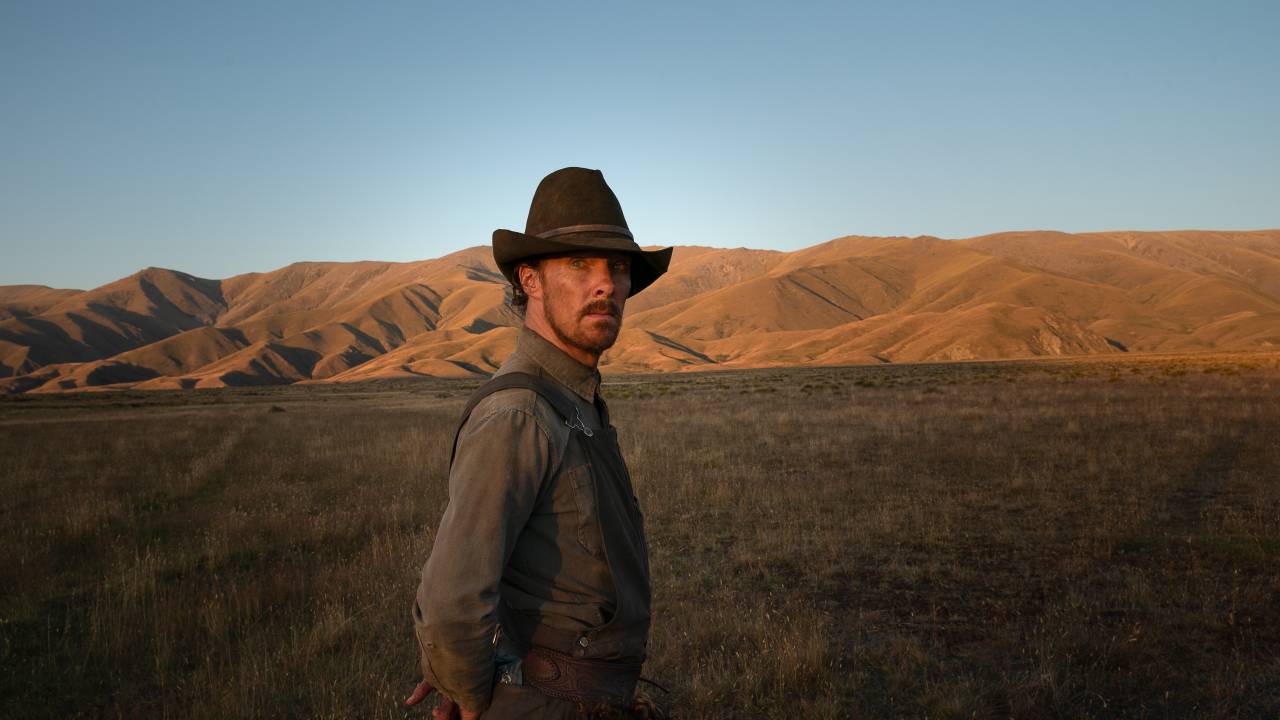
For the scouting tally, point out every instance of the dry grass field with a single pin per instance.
(1095, 538)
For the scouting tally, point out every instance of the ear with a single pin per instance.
(530, 280)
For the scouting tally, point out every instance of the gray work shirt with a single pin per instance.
(520, 528)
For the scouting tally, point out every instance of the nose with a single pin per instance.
(601, 279)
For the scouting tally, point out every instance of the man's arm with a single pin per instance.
(502, 459)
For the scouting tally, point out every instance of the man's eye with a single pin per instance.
(577, 263)
(622, 266)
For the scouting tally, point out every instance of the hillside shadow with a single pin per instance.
(480, 325)
(483, 274)
(166, 307)
(471, 368)
(113, 373)
(62, 348)
(672, 344)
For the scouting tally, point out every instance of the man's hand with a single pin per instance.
(448, 709)
(419, 693)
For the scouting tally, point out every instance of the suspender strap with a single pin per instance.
(549, 391)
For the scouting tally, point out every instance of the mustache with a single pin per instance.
(602, 306)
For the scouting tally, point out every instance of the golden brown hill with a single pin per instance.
(698, 270)
(1188, 290)
(138, 310)
(28, 300)
(850, 300)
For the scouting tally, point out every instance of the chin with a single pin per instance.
(598, 341)
(600, 344)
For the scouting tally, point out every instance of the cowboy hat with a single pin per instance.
(573, 209)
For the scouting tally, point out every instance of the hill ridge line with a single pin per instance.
(915, 299)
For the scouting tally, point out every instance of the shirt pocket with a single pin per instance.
(587, 516)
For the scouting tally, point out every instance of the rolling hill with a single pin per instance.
(850, 300)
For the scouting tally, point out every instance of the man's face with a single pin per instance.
(583, 296)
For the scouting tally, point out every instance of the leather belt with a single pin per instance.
(581, 680)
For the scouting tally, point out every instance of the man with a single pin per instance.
(535, 599)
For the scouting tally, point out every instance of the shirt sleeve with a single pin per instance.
(502, 459)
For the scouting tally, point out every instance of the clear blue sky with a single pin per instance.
(222, 137)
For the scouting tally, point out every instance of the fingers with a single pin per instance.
(424, 689)
(446, 710)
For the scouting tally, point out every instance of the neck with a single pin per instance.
(537, 322)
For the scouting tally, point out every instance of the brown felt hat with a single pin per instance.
(573, 209)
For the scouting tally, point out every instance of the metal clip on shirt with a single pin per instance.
(508, 670)
(506, 666)
(578, 424)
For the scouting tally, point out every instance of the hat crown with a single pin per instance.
(573, 197)
(574, 210)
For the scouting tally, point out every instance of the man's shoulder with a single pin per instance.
(511, 399)
(515, 404)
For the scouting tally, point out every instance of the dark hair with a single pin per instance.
(519, 299)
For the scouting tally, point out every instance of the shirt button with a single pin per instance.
(584, 641)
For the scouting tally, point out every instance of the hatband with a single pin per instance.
(617, 229)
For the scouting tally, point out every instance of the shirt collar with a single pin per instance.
(579, 378)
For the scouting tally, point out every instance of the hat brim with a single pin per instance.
(510, 247)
